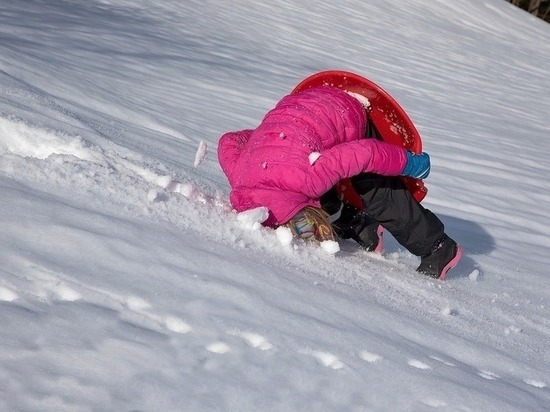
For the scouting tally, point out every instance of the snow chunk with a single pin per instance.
(136, 303)
(328, 359)
(218, 347)
(152, 195)
(485, 374)
(201, 153)
(255, 340)
(474, 275)
(362, 99)
(65, 293)
(448, 311)
(330, 246)
(512, 329)
(535, 383)
(415, 363)
(253, 218)
(25, 140)
(187, 189)
(177, 325)
(164, 181)
(7, 295)
(313, 156)
(369, 356)
(173, 186)
(284, 234)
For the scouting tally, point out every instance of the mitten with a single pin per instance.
(418, 165)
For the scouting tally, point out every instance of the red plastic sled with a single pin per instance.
(391, 121)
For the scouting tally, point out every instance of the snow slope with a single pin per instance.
(128, 283)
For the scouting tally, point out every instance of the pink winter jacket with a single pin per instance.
(277, 164)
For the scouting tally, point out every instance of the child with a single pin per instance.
(303, 147)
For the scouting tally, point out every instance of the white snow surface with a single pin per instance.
(127, 282)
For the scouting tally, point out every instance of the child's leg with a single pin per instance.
(390, 203)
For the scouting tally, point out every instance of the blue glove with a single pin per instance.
(418, 165)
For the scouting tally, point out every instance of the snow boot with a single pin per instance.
(372, 239)
(444, 256)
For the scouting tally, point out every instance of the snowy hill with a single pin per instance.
(128, 283)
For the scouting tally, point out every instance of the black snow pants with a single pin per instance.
(390, 203)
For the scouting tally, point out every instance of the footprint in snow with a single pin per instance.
(369, 357)
(485, 374)
(535, 383)
(176, 325)
(443, 361)
(218, 347)
(136, 303)
(434, 403)
(142, 307)
(254, 340)
(327, 359)
(65, 293)
(488, 375)
(415, 363)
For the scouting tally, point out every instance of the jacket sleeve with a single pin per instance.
(229, 150)
(350, 159)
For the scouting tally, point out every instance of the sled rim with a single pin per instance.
(391, 120)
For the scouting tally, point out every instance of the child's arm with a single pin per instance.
(229, 150)
(352, 158)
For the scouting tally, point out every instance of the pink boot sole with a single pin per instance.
(454, 261)
(380, 246)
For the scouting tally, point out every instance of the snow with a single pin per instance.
(330, 246)
(362, 99)
(313, 156)
(127, 281)
(201, 153)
